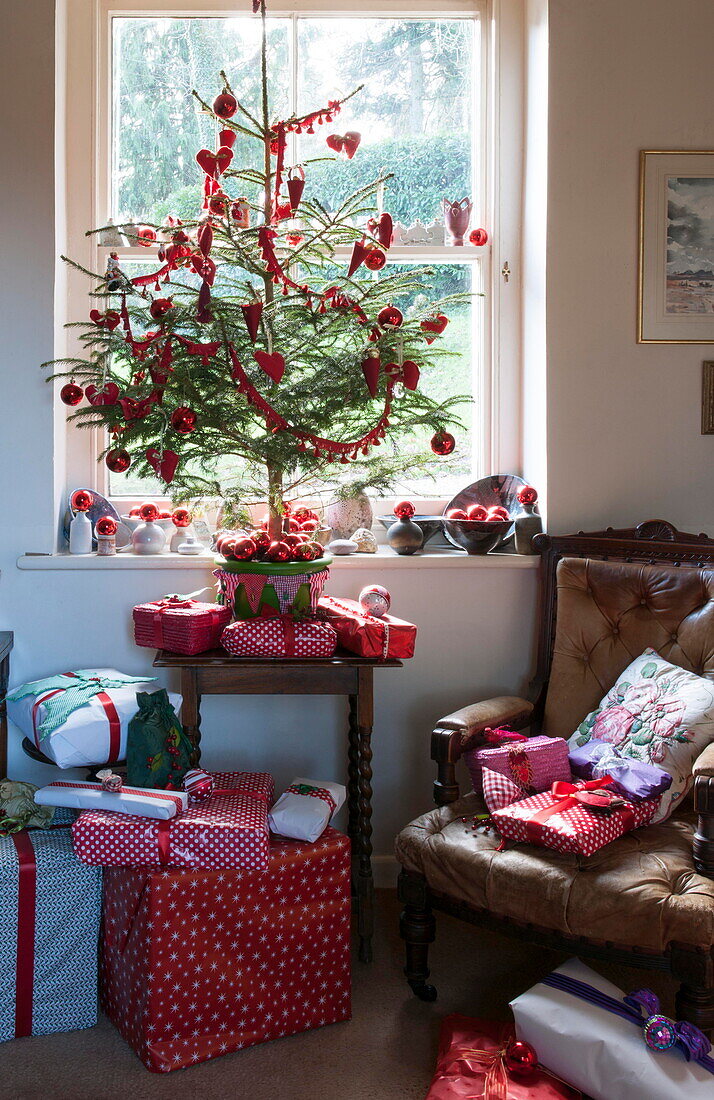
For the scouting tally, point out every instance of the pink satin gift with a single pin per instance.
(471, 1066)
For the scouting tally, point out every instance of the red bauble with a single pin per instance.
(278, 551)
(225, 105)
(520, 1058)
(118, 460)
(375, 259)
(477, 512)
(244, 549)
(181, 517)
(227, 547)
(404, 509)
(106, 525)
(498, 513)
(218, 204)
(317, 547)
(390, 317)
(146, 235)
(309, 525)
(148, 511)
(261, 539)
(183, 420)
(305, 551)
(164, 515)
(82, 500)
(292, 540)
(442, 443)
(160, 306)
(456, 513)
(71, 394)
(478, 237)
(302, 514)
(527, 495)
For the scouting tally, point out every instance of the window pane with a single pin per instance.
(158, 125)
(415, 112)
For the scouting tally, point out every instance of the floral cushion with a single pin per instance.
(658, 713)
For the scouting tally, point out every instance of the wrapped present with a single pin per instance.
(81, 717)
(180, 624)
(533, 764)
(158, 751)
(634, 779)
(611, 1045)
(229, 829)
(306, 808)
(365, 634)
(198, 963)
(573, 817)
(475, 1062)
(49, 930)
(279, 636)
(139, 801)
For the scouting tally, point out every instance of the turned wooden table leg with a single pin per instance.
(353, 777)
(365, 882)
(191, 712)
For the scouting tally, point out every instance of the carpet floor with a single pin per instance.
(386, 1051)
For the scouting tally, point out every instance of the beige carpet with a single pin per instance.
(386, 1050)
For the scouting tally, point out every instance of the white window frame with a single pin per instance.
(84, 120)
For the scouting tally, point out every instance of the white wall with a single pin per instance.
(624, 437)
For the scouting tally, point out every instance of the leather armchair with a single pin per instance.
(646, 899)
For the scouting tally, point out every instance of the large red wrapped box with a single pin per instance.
(198, 963)
(472, 1065)
(230, 829)
(180, 625)
(558, 819)
(365, 634)
(279, 636)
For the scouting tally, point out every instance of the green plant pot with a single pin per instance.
(303, 602)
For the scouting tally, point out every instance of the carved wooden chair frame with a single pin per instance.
(652, 542)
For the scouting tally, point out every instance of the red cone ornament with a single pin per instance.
(183, 420)
(71, 394)
(295, 187)
(227, 138)
(118, 461)
(370, 369)
(360, 252)
(251, 315)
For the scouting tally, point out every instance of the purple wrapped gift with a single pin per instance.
(632, 778)
(534, 763)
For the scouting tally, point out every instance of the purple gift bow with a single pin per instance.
(642, 1009)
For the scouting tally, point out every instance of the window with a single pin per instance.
(421, 114)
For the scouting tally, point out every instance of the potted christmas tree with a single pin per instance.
(250, 361)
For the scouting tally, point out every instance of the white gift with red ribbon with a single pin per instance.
(140, 801)
(306, 808)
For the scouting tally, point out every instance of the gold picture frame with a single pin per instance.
(675, 295)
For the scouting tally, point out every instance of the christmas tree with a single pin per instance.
(250, 361)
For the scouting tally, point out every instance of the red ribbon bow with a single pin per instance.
(567, 795)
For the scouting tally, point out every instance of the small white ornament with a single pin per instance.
(342, 547)
(190, 546)
(366, 542)
(148, 538)
(375, 600)
(80, 534)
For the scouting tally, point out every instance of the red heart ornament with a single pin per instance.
(226, 138)
(251, 315)
(214, 164)
(436, 325)
(273, 364)
(370, 370)
(204, 266)
(360, 251)
(410, 374)
(109, 320)
(350, 143)
(385, 230)
(295, 186)
(107, 396)
(335, 142)
(164, 464)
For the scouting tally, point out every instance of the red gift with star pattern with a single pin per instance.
(197, 964)
(229, 829)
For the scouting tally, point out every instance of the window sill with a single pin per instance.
(383, 559)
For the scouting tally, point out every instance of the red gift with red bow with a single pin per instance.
(180, 624)
(365, 634)
(573, 817)
(479, 1060)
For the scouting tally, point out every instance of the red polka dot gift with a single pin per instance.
(196, 964)
(279, 636)
(180, 625)
(573, 817)
(229, 829)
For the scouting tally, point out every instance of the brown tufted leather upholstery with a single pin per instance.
(639, 891)
(608, 613)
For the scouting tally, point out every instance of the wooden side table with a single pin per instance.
(216, 673)
(6, 644)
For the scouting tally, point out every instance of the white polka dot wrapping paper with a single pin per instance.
(559, 821)
(197, 964)
(230, 829)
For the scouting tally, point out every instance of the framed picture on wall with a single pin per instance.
(676, 270)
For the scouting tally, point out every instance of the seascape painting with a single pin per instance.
(690, 245)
